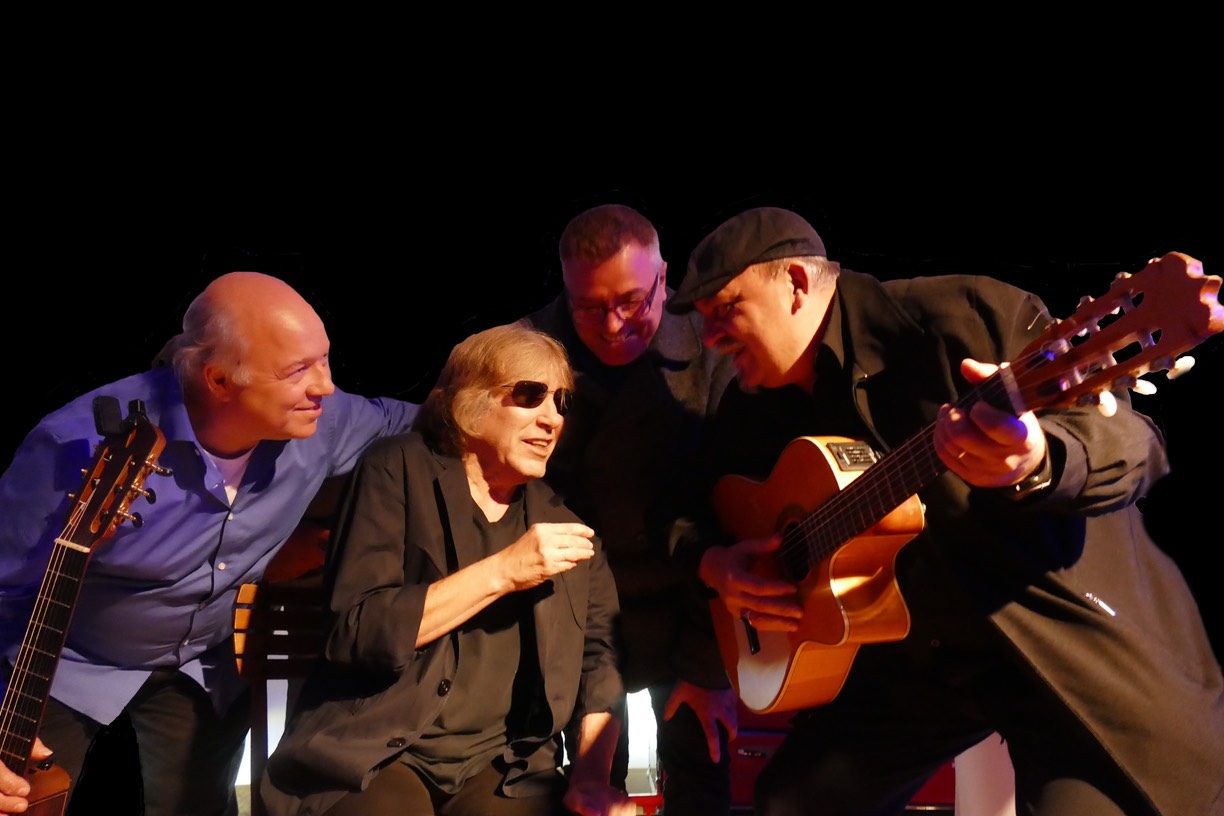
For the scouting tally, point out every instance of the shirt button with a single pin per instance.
(231, 517)
(221, 565)
(444, 688)
(397, 742)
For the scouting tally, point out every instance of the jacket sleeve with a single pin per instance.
(600, 686)
(378, 575)
(1099, 463)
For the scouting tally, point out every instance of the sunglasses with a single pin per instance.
(529, 394)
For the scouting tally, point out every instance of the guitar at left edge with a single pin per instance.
(122, 460)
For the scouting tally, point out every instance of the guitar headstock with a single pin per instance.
(124, 457)
(1144, 323)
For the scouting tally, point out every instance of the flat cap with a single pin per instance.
(752, 237)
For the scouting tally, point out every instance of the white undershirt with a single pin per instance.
(231, 471)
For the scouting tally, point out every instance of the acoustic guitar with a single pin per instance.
(122, 460)
(844, 512)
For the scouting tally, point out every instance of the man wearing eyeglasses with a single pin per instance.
(644, 389)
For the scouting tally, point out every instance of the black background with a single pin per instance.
(402, 262)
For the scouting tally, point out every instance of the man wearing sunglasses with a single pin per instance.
(644, 389)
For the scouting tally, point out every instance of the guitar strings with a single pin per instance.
(884, 486)
(22, 711)
(888, 483)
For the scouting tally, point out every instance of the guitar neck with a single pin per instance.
(30, 683)
(886, 485)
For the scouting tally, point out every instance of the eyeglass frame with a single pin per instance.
(598, 314)
(563, 398)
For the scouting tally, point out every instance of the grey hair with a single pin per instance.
(475, 367)
(210, 334)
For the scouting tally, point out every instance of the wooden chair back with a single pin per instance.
(279, 628)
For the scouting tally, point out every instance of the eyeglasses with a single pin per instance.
(529, 394)
(626, 310)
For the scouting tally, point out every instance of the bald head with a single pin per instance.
(253, 363)
(228, 316)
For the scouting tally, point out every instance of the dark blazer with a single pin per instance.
(1069, 577)
(626, 465)
(407, 522)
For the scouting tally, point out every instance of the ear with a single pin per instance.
(216, 380)
(801, 284)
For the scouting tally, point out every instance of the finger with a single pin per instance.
(673, 705)
(976, 371)
(570, 528)
(999, 427)
(774, 618)
(580, 550)
(712, 741)
(762, 545)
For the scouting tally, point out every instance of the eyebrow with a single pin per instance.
(301, 362)
(633, 294)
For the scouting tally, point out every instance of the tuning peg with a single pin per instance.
(135, 518)
(149, 494)
(1143, 387)
(162, 471)
(1107, 404)
(1183, 364)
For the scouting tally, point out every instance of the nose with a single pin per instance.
(710, 334)
(548, 416)
(320, 384)
(612, 319)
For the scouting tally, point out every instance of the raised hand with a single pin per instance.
(985, 446)
(545, 550)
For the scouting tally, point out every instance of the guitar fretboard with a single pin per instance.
(882, 488)
(39, 654)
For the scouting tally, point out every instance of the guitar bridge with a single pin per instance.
(853, 456)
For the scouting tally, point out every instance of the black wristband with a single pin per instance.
(1038, 480)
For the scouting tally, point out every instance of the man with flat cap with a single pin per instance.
(1028, 599)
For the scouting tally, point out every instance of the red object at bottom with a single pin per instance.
(753, 747)
(648, 804)
(940, 789)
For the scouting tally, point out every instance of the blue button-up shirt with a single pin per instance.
(162, 594)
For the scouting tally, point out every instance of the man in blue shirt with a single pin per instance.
(253, 426)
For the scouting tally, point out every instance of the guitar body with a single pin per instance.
(48, 792)
(849, 598)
